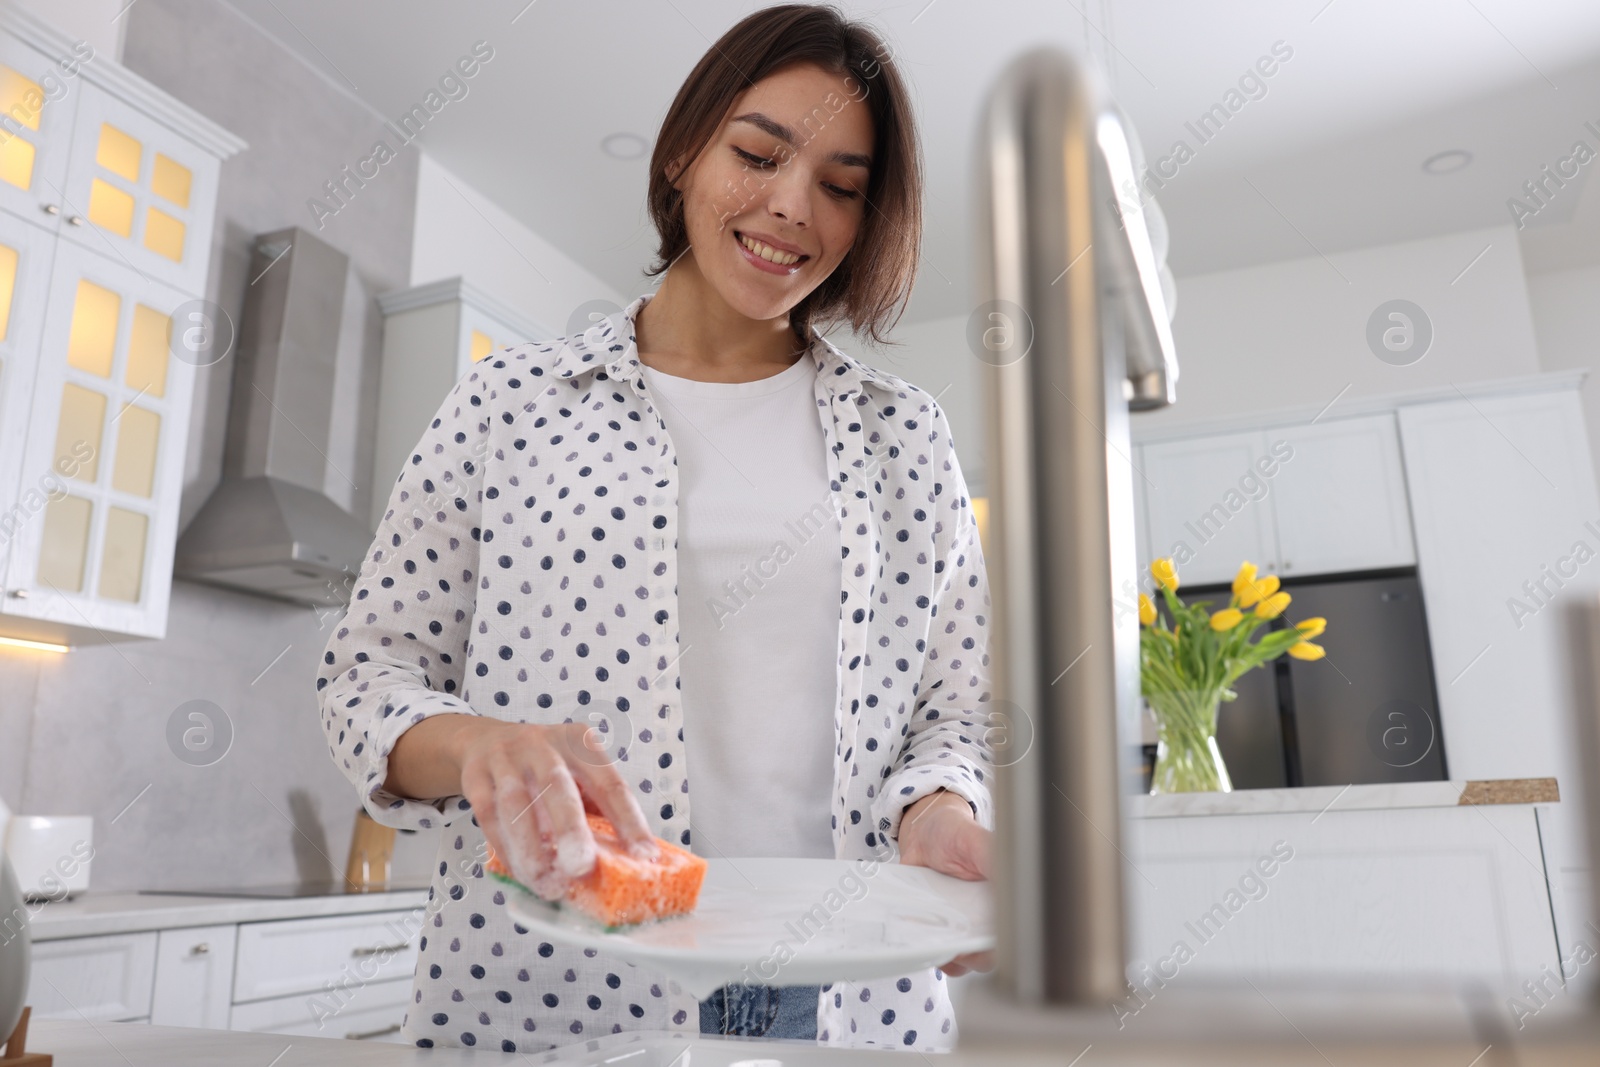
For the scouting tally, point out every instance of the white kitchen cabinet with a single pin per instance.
(139, 190)
(484, 332)
(25, 256)
(39, 83)
(106, 440)
(368, 1012)
(1392, 894)
(1313, 498)
(1199, 508)
(1507, 522)
(432, 335)
(345, 975)
(328, 976)
(114, 182)
(98, 979)
(299, 956)
(1339, 501)
(194, 977)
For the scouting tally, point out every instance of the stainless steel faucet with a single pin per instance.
(1078, 335)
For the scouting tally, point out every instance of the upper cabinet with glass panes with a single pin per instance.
(38, 96)
(102, 466)
(139, 192)
(432, 335)
(108, 192)
(97, 154)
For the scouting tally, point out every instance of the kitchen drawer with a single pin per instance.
(93, 979)
(194, 977)
(275, 959)
(371, 1012)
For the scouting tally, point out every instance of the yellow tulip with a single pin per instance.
(1227, 619)
(1272, 606)
(1246, 575)
(1306, 650)
(1313, 627)
(1147, 610)
(1165, 573)
(1258, 589)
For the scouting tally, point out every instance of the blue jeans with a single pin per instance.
(740, 1010)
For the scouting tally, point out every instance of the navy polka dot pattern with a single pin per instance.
(526, 570)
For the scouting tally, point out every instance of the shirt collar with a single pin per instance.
(611, 343)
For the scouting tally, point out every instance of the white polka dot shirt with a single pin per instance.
(525, 570)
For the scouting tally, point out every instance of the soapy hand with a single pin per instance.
(940, 832)
(529, 787)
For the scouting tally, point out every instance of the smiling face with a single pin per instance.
(774, 202)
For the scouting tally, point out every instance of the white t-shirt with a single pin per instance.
(758, 599)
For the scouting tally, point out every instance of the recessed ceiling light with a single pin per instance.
(624, 146)
(1447, 162)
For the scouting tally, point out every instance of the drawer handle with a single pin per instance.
(50, 209)
(201, 949)
(366, 1035)
(373, 950)
(75, 220)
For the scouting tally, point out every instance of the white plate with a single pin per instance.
(789, 922)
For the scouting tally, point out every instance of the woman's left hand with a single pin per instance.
(940, 832)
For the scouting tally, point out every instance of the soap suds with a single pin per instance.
(575, 852)
(551, 873)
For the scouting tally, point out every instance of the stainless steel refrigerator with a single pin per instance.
(1367, 712)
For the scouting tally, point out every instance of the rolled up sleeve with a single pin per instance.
(399, 654)
(947, 738)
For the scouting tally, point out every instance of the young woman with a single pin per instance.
(694, 543)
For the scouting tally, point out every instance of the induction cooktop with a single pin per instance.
(288, 890)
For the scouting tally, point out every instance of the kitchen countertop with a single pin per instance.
(90, 913)
(1270, 1040)
(1348, 798)
(75, 1044)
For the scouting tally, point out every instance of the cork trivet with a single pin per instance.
(1511, 791)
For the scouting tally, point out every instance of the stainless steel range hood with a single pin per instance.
(270, 527)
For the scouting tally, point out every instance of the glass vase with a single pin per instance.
(1187, 757)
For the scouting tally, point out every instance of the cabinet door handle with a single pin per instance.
(75, 220)
(365, 1035)
(50, 209)
(373, 950)
(20, 594)
(201, 949)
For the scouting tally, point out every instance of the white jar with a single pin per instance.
(50, 854)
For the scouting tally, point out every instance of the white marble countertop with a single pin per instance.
(81, 1044)
(1347, 797)
(78, 1044)
(90, 913)
(1241, 1032)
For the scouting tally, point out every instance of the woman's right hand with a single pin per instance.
(529, 787)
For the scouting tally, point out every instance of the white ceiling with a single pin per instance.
(1328, 159)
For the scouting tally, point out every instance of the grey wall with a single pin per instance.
(86, 732)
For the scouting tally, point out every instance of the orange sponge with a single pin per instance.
(623, 889)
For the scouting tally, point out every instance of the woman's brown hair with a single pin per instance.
(881, 266)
